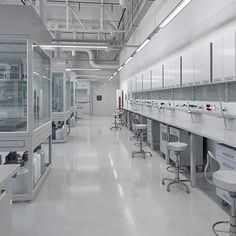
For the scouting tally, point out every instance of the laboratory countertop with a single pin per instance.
(6, 172)
(219, 135)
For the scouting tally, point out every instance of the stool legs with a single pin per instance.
(141, 151)
(177, 179)
(135, 136)
(116, 126)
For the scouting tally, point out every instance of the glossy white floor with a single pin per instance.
(97, 189)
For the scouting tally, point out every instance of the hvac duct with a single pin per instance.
(92, 59)
(41, 8)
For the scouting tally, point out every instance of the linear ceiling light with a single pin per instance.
(81, 69)
(115, 74)
(143, 45)
(36, 73)
(174, 13)
(128, 60)
(51, 47)
(120, 68)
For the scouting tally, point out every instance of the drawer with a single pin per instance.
(225, 164)
(175, 131)
(224, 195)
(226, 152)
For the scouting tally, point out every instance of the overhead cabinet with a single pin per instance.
(223, 41)
(134, 84)
(201, 51)
(157, 78)
(172, 72)
(140, 82)
(146, 80)
(188, 67)
(129, 85)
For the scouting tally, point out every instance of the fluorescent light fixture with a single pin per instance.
(111, 78)
(128, 60)
(51, 47)
(143, 45)
(36, 73)
(115, 74)
(82, 69)
(174, 13)
(120, 68)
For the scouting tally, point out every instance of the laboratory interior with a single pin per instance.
(117, 117)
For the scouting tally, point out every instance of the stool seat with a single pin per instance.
(140, 126)
(225, 179)
(115, 114)
(177, 146)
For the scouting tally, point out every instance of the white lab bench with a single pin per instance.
(6, 173)
(196, 129)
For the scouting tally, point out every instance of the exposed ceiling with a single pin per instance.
(98, 23)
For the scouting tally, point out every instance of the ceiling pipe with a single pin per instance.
(92, 60)
(43, 5)
(123, 3)
(104, 42)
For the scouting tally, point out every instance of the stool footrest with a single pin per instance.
(142, 152)
(182, 170)
(215, 231)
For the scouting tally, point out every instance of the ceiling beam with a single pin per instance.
(88, 31)
(84, 2)
(87, 41)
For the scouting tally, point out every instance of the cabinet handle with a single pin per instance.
(3, 194)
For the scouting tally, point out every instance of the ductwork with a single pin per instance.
(41, 8)
(92, 59)
(123, 3)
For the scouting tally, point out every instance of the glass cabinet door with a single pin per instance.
(13, 86)
(57, 92)
(41, 86)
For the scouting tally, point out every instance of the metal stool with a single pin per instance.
(226, 180)
(177, 147)
(140, 128)
(120, 116)
(134, 121)
(116, 125)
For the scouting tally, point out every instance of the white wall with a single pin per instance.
(198, 19)
(108, 91)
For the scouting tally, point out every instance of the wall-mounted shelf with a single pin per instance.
(190, 111)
